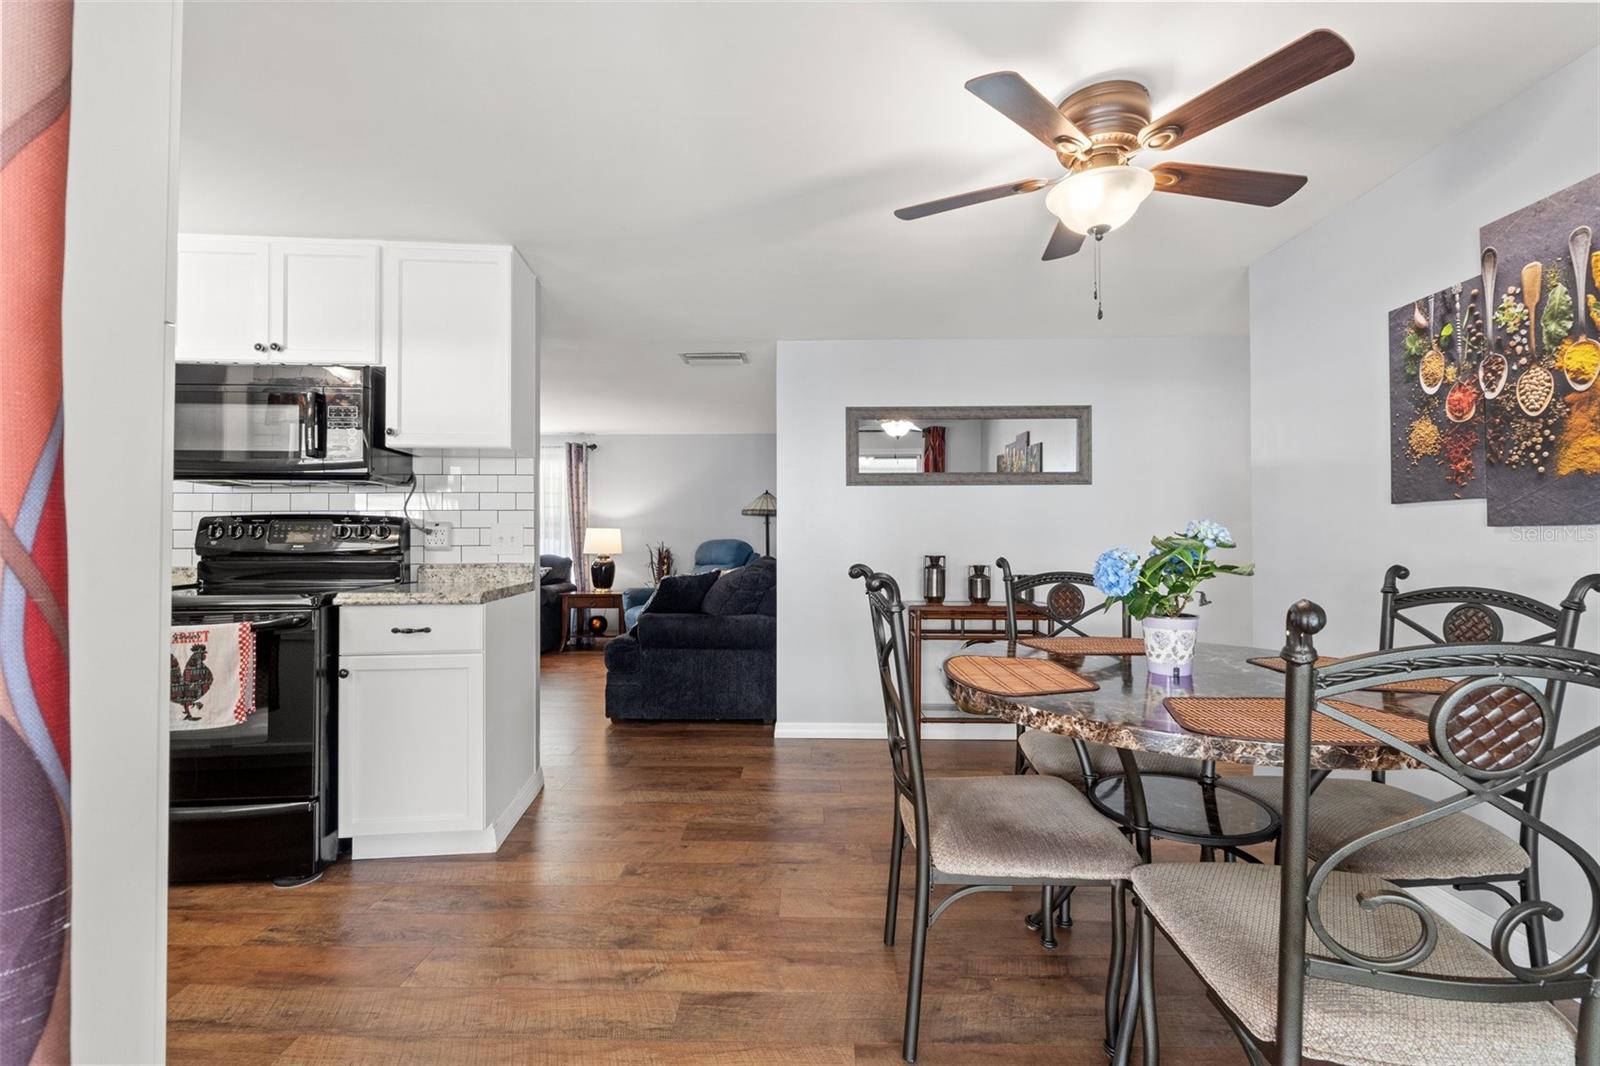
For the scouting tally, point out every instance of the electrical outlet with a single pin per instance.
(438, 535)
(506, 537)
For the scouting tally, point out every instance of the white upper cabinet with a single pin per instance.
(454, 325)
(243, 300)
(458, 346)
(222, 300)
(324, 302)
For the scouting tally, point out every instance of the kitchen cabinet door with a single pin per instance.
(222, 300)
(447, 345)
(411, 757)
(324, 302)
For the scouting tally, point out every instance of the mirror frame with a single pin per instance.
(853, 417)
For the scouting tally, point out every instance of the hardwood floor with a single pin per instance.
(678, 894)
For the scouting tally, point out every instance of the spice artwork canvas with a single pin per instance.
(1543, 422)
(1436, 431)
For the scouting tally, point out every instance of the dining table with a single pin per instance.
(1127, 711)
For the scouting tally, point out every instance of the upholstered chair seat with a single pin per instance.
(1018, 830)
(1223, 917)
(1054, 755)
(1457, 847)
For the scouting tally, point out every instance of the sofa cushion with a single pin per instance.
(769, 602)
(622, 653)
(736, 632)
(741, 591)
(680, 594)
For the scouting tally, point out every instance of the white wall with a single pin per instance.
(681, 489)
(1171, 442)
(1324, 527)
(117, 379)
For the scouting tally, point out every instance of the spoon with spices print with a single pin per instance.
(1532, 280)
(1581, 360)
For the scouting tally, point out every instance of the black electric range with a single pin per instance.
(258, 799)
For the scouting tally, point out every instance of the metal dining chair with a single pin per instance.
(981, 834)
(1460, 851)
(1065, 607)
(1369, 975)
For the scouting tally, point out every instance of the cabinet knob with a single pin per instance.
(258, 346)
(344, 673)
(391, 432)
(275, 346)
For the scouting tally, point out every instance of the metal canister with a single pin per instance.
(933, 578)
(978, 583)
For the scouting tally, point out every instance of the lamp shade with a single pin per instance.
(602, 540)
(1099, 199)
(762, 506)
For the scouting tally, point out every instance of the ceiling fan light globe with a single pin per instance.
(897, 427)
(1100, 199)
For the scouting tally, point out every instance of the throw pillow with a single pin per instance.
(544, 572)
(680, 594)
(741, 591)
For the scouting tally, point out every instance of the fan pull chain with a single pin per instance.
(1099, 307)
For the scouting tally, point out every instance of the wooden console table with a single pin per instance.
(976, 623)
(586, 601)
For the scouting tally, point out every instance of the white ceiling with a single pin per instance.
(721, 176)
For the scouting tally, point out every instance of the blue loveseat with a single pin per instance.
(726, 554)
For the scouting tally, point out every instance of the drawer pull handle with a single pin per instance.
(412, 629)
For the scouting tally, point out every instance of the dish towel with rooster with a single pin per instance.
(213, 675)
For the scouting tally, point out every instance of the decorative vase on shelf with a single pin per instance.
(1169, 644)
(933, 578)
(978, 584)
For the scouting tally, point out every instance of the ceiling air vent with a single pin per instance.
(714, 358)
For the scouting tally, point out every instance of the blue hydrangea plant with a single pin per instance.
(1165, 581)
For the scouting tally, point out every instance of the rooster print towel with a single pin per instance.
(213, 675)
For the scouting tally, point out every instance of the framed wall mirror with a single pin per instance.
(967, 445)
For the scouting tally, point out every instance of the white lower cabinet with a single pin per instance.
(438, 726)
(411, 743)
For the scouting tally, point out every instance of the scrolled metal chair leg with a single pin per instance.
(1064, 909)
(1122, 1055)
(1147, 989)
(1119, 947)
(1047, 914)
(919, 947)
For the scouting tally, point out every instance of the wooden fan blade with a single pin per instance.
(1063, 242)
(1311, 58)
(1010, 94)
(967, 199)
(1260, 187)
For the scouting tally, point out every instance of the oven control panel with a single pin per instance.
(301, 534)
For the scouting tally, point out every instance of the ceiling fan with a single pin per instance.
(1097, 130)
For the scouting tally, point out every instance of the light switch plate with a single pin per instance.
(438, 535)
(506, 537)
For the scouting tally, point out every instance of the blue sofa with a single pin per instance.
(726, 554)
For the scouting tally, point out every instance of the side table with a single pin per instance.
(586, 602)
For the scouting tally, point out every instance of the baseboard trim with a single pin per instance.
(514, 810)
(1454, 908)
(485, 841)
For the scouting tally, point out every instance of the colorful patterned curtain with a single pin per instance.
(35, 79)
(578, 508)
(933, 449)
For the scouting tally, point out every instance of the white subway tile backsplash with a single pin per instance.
(471, 493)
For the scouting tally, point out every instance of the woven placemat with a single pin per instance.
(1252, 718)
(1422, 686)
(1015, 677)
(1086, 645)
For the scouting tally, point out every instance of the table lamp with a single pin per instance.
(602, 542)
(764, 507)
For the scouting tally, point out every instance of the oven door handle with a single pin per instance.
(286, 622)
(237, 810)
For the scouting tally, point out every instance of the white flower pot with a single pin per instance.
(1169, 644)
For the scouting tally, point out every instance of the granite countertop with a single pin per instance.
(458, 583)
(442, 583)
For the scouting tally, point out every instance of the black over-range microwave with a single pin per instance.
(268, 423)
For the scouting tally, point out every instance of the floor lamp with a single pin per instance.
(764, 507)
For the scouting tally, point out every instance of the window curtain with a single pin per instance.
(555, 523)
(35, 824)
(933, 449)
(578, 508)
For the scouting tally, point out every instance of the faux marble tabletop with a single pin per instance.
(1127, 711)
